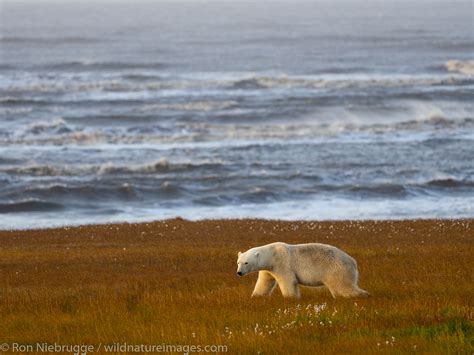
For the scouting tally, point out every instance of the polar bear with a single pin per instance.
(311, 264)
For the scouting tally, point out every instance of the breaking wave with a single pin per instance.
(463, 67)
(58, 132)
(219, 86)
(345, 81)
(54, 126)
(155, 167)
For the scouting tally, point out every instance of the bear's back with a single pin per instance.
(323, 255)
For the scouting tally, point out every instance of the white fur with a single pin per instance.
(311, 264)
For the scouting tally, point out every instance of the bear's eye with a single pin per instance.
(246, 263)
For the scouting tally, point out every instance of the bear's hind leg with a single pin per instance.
(333, 291)
(346, 290)
(265, 284)
(343, 282)
(352, 292)
(356, 291)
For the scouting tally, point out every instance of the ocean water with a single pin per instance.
(290, 110)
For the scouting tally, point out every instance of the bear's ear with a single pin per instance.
(257, 254)
(238, 254)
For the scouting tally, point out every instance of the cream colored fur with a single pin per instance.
(312, 264)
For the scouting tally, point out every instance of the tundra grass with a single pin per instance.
(174, 282)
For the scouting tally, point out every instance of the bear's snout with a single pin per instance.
(239, 273)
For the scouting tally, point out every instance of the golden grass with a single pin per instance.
(174, 282)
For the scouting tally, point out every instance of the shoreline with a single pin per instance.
(225, 220)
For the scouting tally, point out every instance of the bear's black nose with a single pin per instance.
(239, 273)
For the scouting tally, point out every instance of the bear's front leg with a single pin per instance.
(265, 284)
(289, 286)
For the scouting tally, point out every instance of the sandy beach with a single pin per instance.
(174, 282)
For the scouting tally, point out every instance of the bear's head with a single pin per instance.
(248, 262)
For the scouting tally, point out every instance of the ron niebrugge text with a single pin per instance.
(83, 349)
